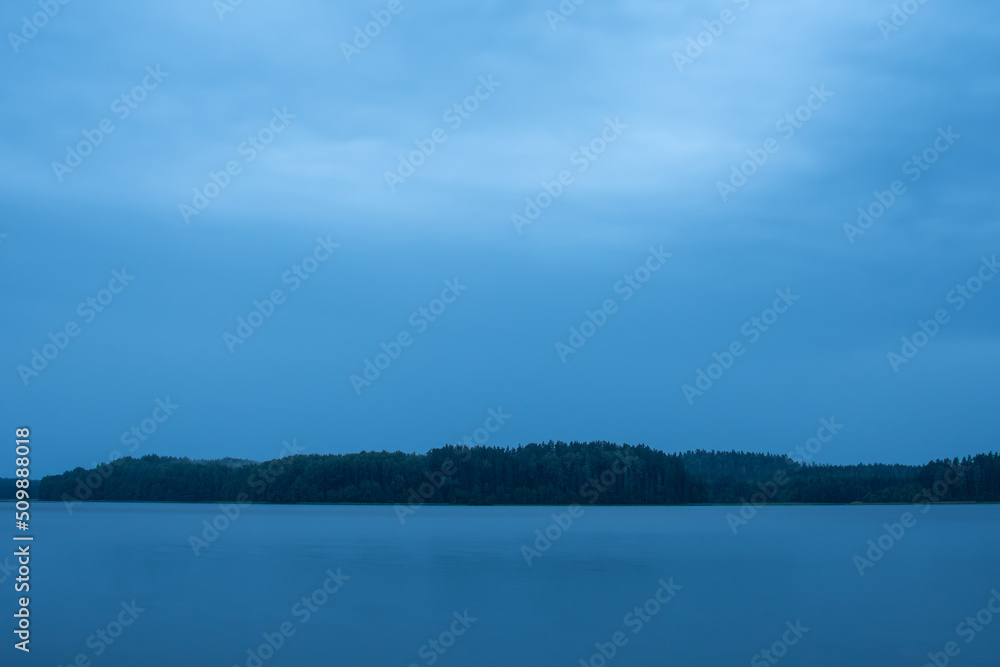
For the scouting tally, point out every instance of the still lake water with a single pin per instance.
(403, 586)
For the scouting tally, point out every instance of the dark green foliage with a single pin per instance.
(980, 480)
(728, 477)
(8, 488)
(555, 473)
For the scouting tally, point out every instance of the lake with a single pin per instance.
(121, 584)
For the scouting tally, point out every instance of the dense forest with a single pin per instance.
(726, 477)
(554, 473)
(8, 487)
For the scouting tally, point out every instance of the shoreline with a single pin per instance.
(428, 504)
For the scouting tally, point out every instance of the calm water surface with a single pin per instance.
(458, 577)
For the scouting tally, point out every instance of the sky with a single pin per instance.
(635, 222)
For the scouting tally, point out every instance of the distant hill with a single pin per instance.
(554, 473)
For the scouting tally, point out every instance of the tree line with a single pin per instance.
(8, 488)
(553, 473)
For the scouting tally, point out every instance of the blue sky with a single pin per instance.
(204, 94)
